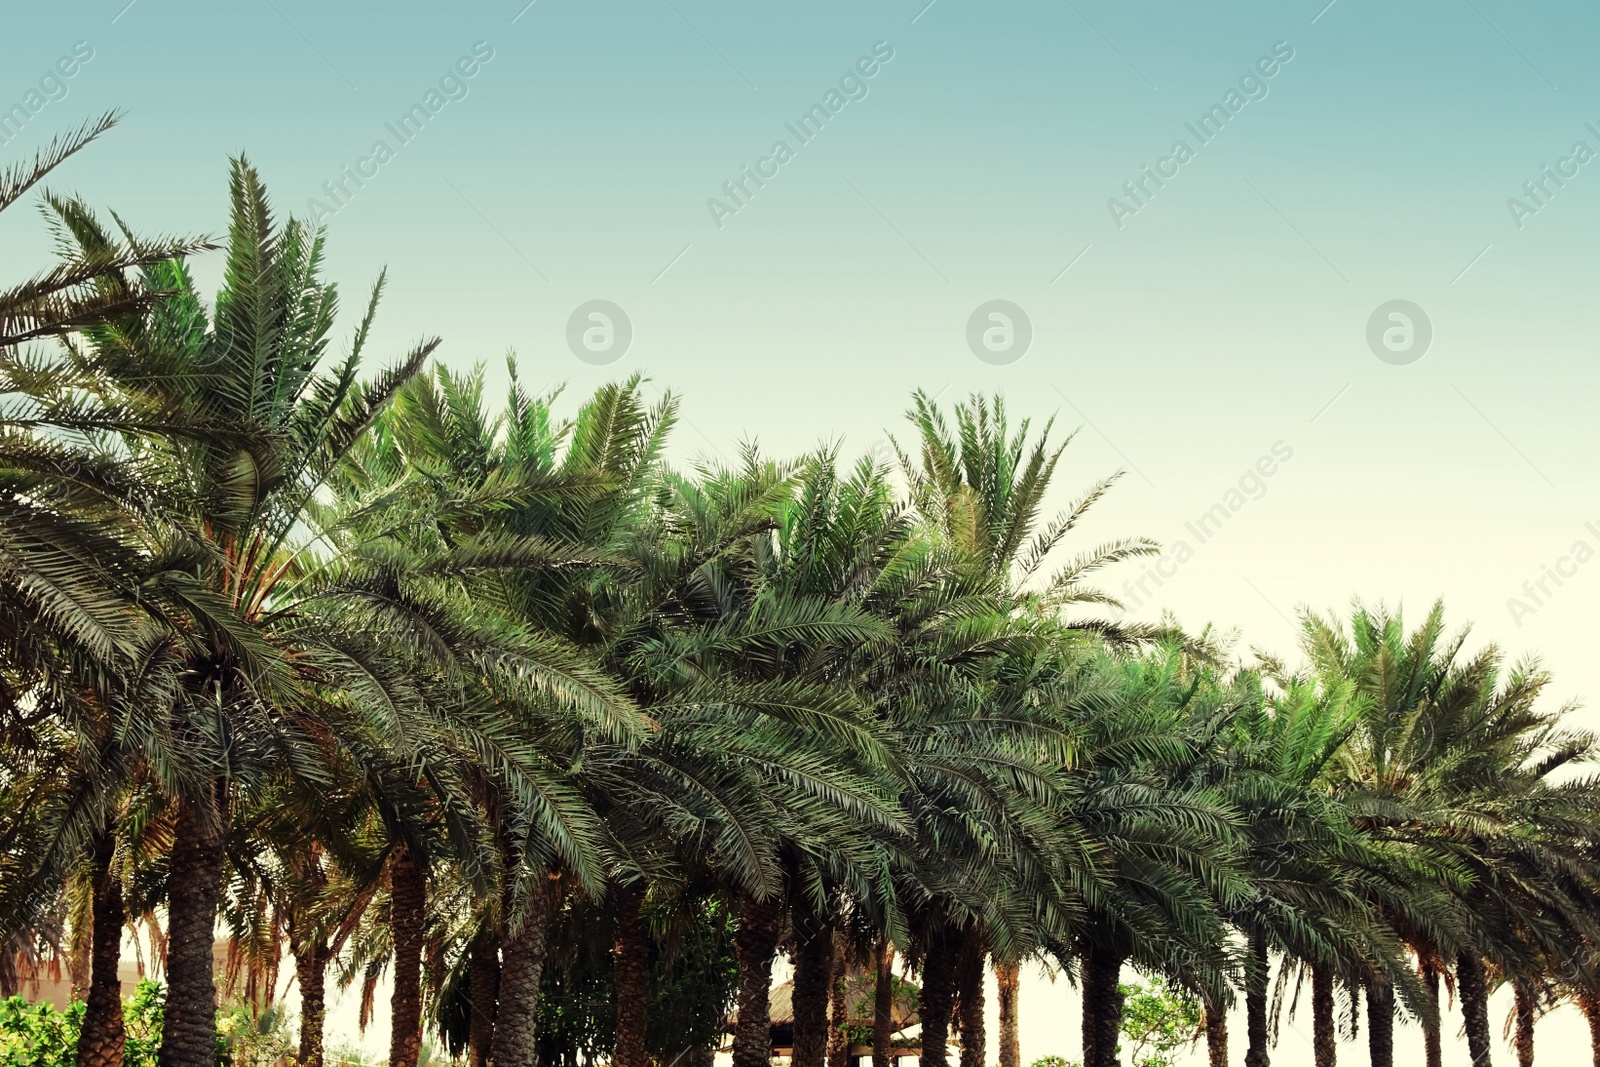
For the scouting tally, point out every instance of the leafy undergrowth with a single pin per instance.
(38, 1035)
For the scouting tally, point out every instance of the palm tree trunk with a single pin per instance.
(101, 1039)
(1432, 1047)
(514, 1003)
(1474, 1007)
(814, 974)
(1590, 1003)
(1216, 1024)
(408, 898)
(483, 990)
(938, 997)
(1102, 1006)
(1324, 1041)
(1256, 1053)
(189, 1033)
(838, 1036)
(969, 984)
(310, 973)
(1380, 1022)
(883, 1004)
(1007, 979)
(630, 966)
(760, 923)
(80, 958)
(1523, 1039)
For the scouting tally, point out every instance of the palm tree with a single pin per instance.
(1160, 845)
(1397, 680)
(1532, 886)
(70, 630)
(101, 1045)
(1454, 764)
(978, 491)
(216, 433)
(1314, 876)
(743, 667)
(1007, 975)
(832, 543)
(479, 532)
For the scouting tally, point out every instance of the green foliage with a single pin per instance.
(142, 1016)
(254, 1039)
(693, 975)
(1054, 1061)
(37, 1035)
(1158, 1020)
(692, 986)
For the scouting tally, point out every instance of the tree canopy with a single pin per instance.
(484, 698)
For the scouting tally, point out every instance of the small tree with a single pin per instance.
(1156, 1021)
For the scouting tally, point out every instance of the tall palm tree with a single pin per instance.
(1314, 876)
(476, 530)
(1455, 764)
(1161, 845)
(742, 666)
(215, 432)
(979, 490)
(70, 628)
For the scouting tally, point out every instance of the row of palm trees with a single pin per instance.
(570, 744)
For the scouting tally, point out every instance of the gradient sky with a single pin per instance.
(1227, 315)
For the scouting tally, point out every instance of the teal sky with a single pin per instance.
(1228, 314)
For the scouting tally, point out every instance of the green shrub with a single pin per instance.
(37, 1035)
(1158, 1020)
(142, 1017)
(246, 1039)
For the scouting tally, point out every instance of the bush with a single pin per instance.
(254, 1040)
(37, 1035)
(1158, 1020)
(142, 1018)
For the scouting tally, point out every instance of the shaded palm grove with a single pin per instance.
(481, 699)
